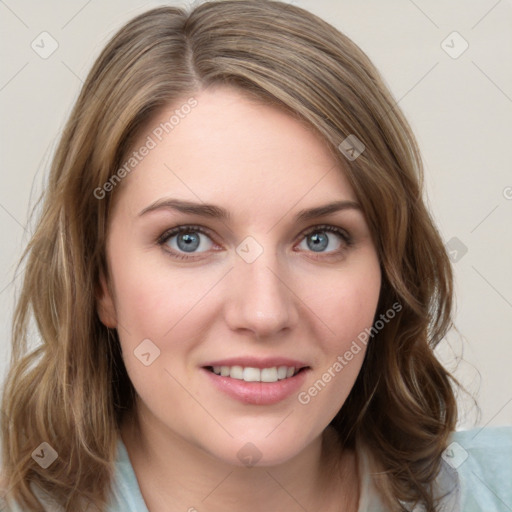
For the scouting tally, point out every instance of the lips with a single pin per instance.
(257, 381)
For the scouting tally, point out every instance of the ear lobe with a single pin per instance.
(105, 304)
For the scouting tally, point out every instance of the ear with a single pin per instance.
(105, 303)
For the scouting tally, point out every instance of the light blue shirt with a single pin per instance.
(476, 476)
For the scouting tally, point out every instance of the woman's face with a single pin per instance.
(257, 287)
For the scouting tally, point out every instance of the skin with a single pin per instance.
(184, 435)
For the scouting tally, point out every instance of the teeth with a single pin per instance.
(269, 375)
(282, 372)
(250, 374)
(236, 372)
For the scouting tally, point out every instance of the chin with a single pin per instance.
(259, 450)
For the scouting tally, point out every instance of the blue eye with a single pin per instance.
(192, 240)
(186, 239)
(320, 237)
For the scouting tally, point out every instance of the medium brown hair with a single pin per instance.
(72, 389)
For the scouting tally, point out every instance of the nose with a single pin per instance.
(261, 298)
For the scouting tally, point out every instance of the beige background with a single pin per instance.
(460, 109)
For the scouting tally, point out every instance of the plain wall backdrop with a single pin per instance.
(448, 67)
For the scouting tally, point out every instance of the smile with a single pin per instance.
(251, 374)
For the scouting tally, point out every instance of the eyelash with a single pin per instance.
(164, 238)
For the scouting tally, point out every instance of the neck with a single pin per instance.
(176, 475)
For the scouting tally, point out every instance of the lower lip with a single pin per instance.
(258, 393)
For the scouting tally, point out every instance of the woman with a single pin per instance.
(238, 287)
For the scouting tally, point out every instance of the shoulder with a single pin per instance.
(125, 493)
(482, 459)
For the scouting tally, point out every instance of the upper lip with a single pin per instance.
(258, 362)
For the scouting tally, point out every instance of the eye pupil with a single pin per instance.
(319, 241)
(188, 242)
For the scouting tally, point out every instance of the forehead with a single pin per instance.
(231, 149)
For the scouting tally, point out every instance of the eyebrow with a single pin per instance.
(217, 212)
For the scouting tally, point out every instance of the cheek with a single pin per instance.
(151, 299)
(345, 301)
(349, 311)
(168, 306)
(157, 304)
